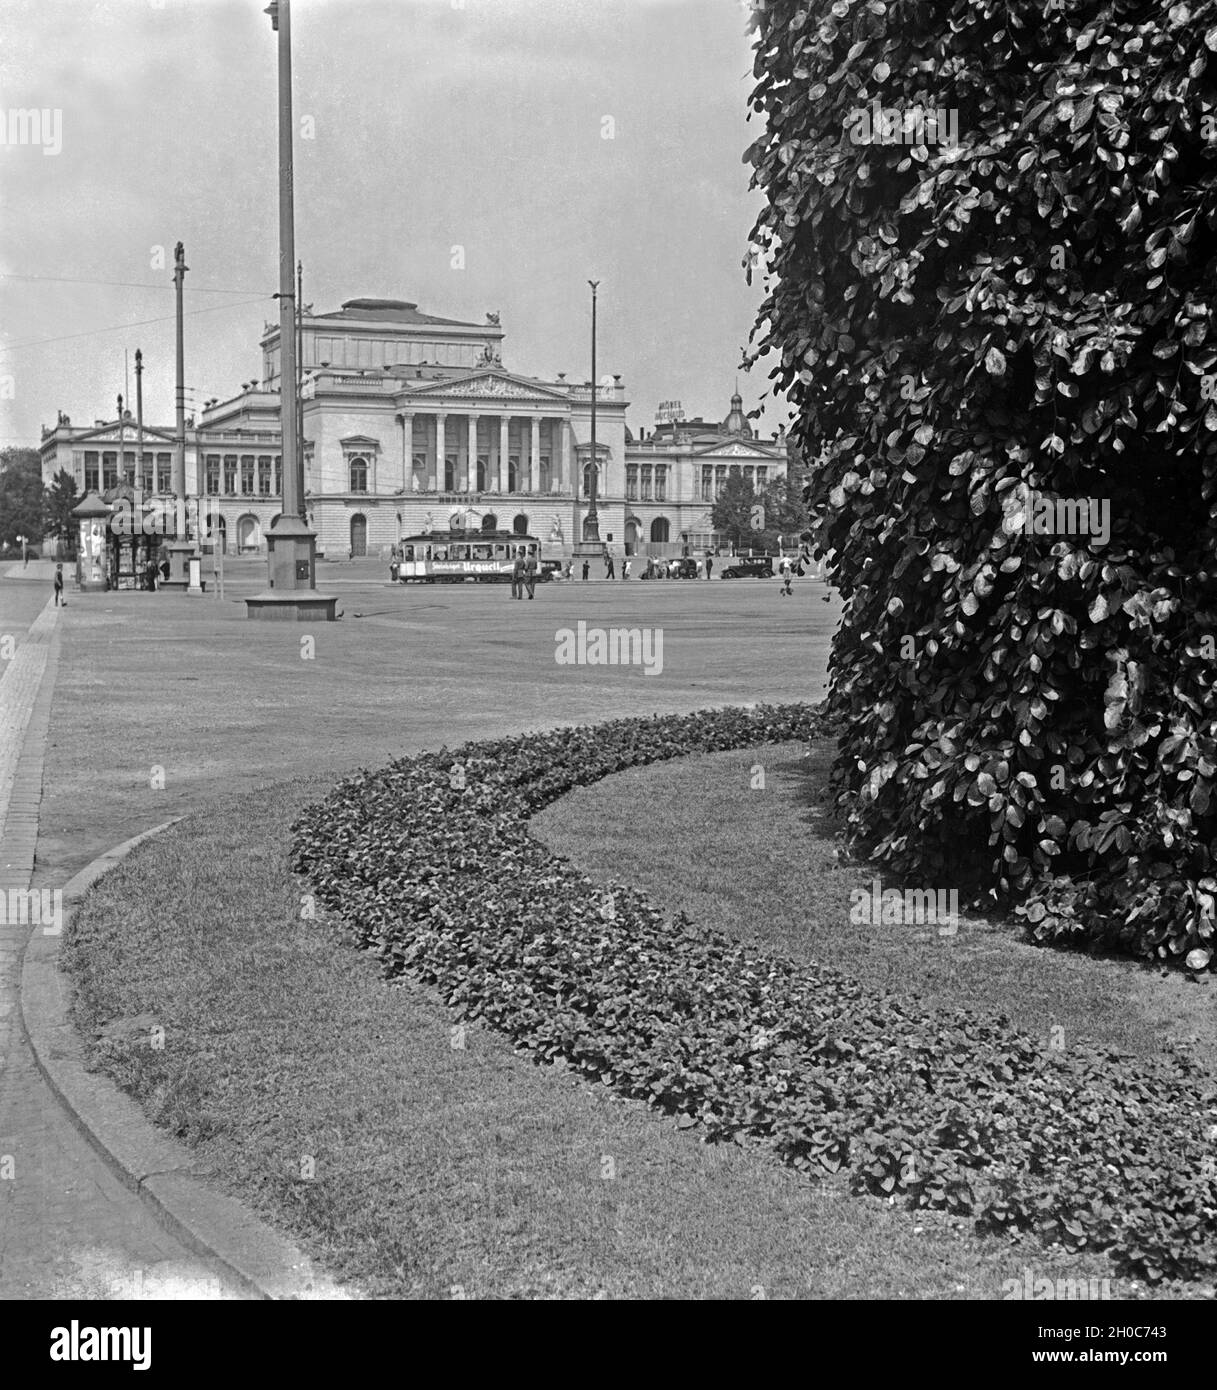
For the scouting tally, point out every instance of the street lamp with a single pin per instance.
(290, 545)
(591, 527)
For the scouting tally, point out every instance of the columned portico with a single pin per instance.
(534, 456)
(503, 448)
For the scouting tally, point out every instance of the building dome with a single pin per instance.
(735, 422)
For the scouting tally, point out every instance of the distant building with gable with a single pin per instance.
(412, 421)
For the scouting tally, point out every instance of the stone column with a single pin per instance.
(440, 449)
(471, 478)
(564, 474)
(407, 450)
(504, 445)
(534, 456)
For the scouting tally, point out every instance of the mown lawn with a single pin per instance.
(418, 1160)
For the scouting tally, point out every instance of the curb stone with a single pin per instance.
(163, 1173)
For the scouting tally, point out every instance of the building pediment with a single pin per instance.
(360, 443)
(488, 386)
(110, 434)
(737, 450)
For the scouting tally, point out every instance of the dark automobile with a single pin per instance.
(751, 567)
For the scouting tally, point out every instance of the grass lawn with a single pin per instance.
(414, 1160)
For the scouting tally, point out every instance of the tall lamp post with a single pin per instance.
(588, 544)
(181, 548)
(290, 545)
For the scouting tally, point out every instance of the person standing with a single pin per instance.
(586, 566)
(625, 569)
(58, 585)
(610, 571)
(530, 571)
(517, 573)
(709, 564)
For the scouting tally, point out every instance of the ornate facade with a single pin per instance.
(409, 419)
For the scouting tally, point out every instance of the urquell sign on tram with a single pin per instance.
(459, 554)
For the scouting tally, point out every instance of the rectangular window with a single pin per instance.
(129, 466)
(146, 479)
(278, 476)
(707, 482)
(761, 475)
(230, 474)
(213, 475)
(720, 480)
(247, 475)
(661, 484)
(631, 482)
(646, 483)
(164, 473)
(92, 482)
(264, 476)
(546, 482)
(109, 470)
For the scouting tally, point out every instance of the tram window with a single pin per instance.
(440, 553)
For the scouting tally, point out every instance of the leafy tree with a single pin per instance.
(754, 519)
(20, 495)
(57, 508)
(973, 331)
(733, 512)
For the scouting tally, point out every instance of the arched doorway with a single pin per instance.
(249, 534)
(490, 522)
(660, 530)
(520, 525)
(633, 535)
(359, 535)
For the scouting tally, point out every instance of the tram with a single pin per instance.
(451, 557)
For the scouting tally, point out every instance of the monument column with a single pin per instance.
(504, 445)
(534, 456)
(440, 451)
(471, 479)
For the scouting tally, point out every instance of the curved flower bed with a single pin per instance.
(431, 864)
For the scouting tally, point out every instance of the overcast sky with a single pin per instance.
(435, 124)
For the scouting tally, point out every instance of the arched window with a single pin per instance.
(490, 522)
(520, 525)
(587, 481)
(660, 529)
(359, 474)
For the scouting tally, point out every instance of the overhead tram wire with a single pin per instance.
(118, 284)
(123, 327)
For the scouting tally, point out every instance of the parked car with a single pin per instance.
(750, 567)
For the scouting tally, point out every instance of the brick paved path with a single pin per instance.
(68, 1228)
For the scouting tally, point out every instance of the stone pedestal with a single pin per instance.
(180, 552)
(292, 560)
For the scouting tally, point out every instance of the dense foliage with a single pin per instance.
(969, 331)
(431, 865)
(21, 496)
(765, 519)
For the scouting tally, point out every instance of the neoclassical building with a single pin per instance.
(411, 420)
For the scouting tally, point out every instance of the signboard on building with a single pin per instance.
(669, 412)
